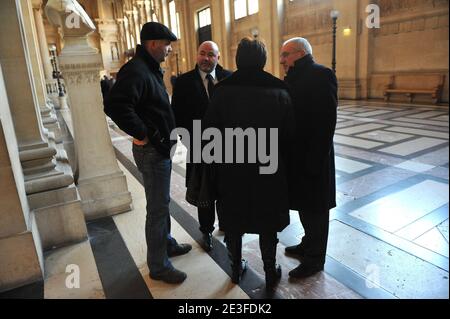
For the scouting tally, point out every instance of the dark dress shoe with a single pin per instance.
(304, 271)
(172, 276)
(207, 242)
(296, 251)
(178, 250)
(238, 271)
(273, 276)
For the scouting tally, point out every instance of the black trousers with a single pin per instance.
(206, 218)
(267, 243)
(314, 243)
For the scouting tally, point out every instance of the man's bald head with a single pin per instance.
(208, 56)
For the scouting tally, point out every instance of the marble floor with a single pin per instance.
(388, 236)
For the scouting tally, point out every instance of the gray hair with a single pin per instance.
(302, 44)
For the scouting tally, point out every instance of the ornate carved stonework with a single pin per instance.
(419, 22)
(392, 7)
(81, 73)
(81, 66)
(307, 16)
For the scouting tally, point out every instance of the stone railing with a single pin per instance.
(52, 86)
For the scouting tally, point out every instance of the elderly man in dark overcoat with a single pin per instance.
(313, 88)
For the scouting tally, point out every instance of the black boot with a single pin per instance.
(238, 271)
(273, 275)
(238, 265)
(268, 245)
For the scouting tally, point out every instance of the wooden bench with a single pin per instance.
(414, 84)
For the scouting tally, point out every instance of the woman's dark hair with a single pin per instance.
(251, 53)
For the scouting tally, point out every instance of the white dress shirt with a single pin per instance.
(205, 80)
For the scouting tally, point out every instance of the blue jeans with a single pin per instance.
(156, 171)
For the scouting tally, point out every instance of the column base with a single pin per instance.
(37, 168)
(49, 183)
(61, 156)
(55, 101)
(104, 196)
(61, 224)
(20, 261)
(63, 102)
(55, 129)
(54, 197)
(349, 89)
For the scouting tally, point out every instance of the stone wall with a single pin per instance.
(311, 19)
(413, 39)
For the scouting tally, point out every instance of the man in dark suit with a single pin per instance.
(191, 96)
(313, 191)
(105, 85)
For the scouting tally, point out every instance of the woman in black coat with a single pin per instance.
(249, 201)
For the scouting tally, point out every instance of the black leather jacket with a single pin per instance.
(139, 104)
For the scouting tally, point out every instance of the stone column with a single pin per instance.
(45, 56)
(44, 185)
(136, 26)
(34, 150)
(126, 25)
(131, 28)
(43, 46)
(347, 50)
(122, 39)
(102, 185)
(270, 30)
(365, 48)
(161, 11)
(142, 14)
(36, 155)
(221, 30)
(21, 259)
(148, 10)
(48, 117)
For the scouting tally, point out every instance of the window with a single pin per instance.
(204, 25)
(240, 9)
(204, 17)
(253, 7)
(174, 19)
(243, 8)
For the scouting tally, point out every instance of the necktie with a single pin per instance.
(210, 85)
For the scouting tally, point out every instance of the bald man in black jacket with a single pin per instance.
(190, 100)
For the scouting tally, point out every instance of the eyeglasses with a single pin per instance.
(286, 54)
